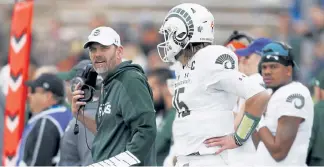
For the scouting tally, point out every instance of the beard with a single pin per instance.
(101, 70)
(106, 66)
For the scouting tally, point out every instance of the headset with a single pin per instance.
(87, 78)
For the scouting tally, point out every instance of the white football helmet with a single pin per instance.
(184, 24)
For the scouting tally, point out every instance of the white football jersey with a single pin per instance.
(254, 78)
(206, 91)
(246, 153)
(295, 100)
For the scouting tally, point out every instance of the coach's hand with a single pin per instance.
(76, 95)
(225, 142)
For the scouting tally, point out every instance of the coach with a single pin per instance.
(125, 127)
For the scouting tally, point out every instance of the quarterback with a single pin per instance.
(206, 89)
(286, 127)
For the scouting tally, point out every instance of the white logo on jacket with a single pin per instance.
(105, 108)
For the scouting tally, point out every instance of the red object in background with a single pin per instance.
(234, 45)
(19, 52)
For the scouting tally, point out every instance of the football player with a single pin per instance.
(286, 128)
(206, 89)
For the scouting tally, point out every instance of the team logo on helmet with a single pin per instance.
(186, 19)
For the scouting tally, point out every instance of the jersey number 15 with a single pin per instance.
(180, 106)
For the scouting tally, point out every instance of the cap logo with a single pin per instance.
(96, 33)
(271, 56)
(46, 85)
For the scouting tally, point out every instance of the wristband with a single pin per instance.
(246, 127)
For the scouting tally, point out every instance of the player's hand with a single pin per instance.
(76, 95)
(225, 143)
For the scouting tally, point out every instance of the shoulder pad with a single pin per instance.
(294, 93)
(218, 57)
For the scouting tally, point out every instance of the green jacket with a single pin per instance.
(316, 146)
(164, 136)
(126, 117)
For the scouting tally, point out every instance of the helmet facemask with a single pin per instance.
(176, 39)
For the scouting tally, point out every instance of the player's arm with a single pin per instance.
(239, 115)
(280, 144)
(226, 77)
(256, 100)
(291, 116)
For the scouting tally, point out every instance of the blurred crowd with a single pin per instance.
(301, 26)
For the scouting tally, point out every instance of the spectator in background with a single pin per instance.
(44, 69)
(97, 20)
(5, 75)
(316, 145)
(149, 38)
(284, 33)
(5, 36)
(55, 49)
(38, 72)
(133, 52)
(318, 62)
(75, 148)
(154, 61)
(165, 113)
(307, 22)
(259, 32)
(39, 145)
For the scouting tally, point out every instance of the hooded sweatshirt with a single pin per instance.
(126, 126)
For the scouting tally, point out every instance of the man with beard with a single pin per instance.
(165, 113)
(125, 125)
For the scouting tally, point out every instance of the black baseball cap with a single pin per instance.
(49, 82)
(67, 76)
